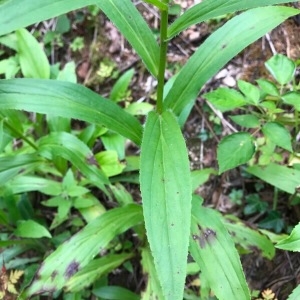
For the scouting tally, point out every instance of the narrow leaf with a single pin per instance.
(33, 60)
(80, 249)
(166, 194)
(15, 14)
(94, 270)
(213, 249)
(234, 150)
(291, 243)
(214, 8)
(284, 178)
(219, 48)
(132, 25)
(68, 100)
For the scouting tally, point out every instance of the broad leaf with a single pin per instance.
(291, 243)
(68, 100)
(33, 60)
(234, 150)
(74, 254)
(166, 194)
(278, 134)
(213, 249)
(219, 48)
(31, 229)
(292, 98)
(284, 178)
(281, 68)
(248, 120)
(214, 8)
(131, 24)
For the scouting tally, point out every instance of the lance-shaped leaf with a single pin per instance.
(291, 243)
(131, 24)
(74, 254)
(219, 48)
(166, 194)
(214, 8)
(15, 14)
(213, 249)
(68, 146)
(69, 100)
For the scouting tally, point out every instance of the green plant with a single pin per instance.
(175, 220)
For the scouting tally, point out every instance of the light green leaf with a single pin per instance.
(278, 134)
(129, 21)
(109, 162)
(68, 100)
(213, 249)
(166, 196)
(214, 8)
(74, 254)
(295, 295)
(281, 68)
(31, 229)
(292, 98)
(199, 177)
(15, 14)
(33, 60)
(115, 293)
(225, 99)
(68, 146)
(234, 150)
(291, 243)
(219, 48)
(118, 91)
(94, 270)
(249, 238)
(158, 4)
(248, 121)
(268, 87)
(284, 178)
(153, 287)
(250, 91)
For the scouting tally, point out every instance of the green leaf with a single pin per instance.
(118, 91)
(94, 270)
(278, 134)
(249, 238)
(129, 21)
(158, 4)
(292, 98)
(248, 121)
(225, 99)
(268, 87)
(166, 196)
(68, 146)
(213, 249)
(68, 100)
(108, 160)
(153, 288)
(115, 293)
(295, 295)
(33, 60)
(199, 177)
(74, 254)
(13, 15)
(250, 91)
(31, 229)
(214, 8)
(281, 68)
(234, 150)
(219, 48)
(284, 178)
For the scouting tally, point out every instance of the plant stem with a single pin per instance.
(162, 59)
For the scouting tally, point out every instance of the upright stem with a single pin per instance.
(162, 59)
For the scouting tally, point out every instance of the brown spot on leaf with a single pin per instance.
(72, 268)
(53, 275)
(206, 235)
(91, 160)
